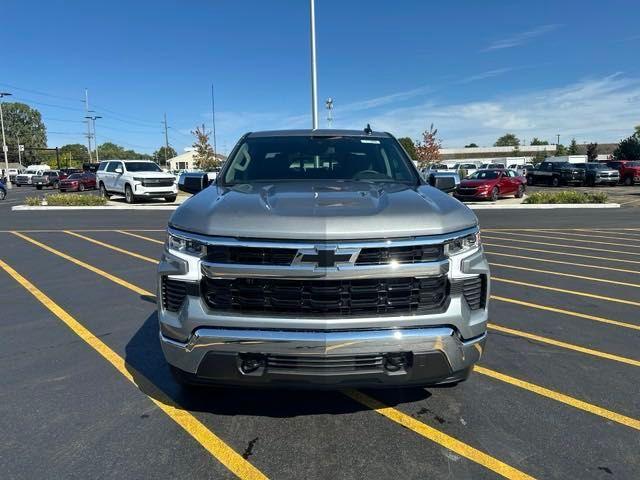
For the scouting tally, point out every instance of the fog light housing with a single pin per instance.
(251, 363)
(395, 362)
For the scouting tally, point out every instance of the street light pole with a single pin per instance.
(92, 119)
(86, 108)
(4, 143)
(314, 71)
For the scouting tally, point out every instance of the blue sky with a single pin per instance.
(474, 69)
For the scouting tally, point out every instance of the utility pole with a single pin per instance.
(86, 108)
(213, 121)
(329, 104)
(166, 140)
(314, 71)
(558, 135)
(4, 143)
(93, 118)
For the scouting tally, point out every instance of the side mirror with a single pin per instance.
(193, 182)
(444, 183)
(119, 170)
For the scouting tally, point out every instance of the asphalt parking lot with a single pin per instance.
(86, 392)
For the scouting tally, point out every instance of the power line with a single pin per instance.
(36, 92)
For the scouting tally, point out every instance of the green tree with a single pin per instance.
(637, 132)
(628, 149)
(573, 147)
(409, 146)
(204, 157)
(23, 125)
(561, 150)
(163, 154)
(592, 152)
(471, 145)
(507, 140)
(111, 151)
(537, 141)
(74, 154)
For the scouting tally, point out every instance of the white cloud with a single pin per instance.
(602, 109)
(521, 38)
(484, 75)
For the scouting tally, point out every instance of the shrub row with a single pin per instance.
(568, 196)
(67, 199)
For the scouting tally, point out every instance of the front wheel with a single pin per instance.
(170, 198)
(520, 192)
(530, 180)
(55, 185)
(628, 181)
(38, 187)
(494, 194)
(103, 191)
(128, 195)
(555, 182)
(81, 187)
(3, 194)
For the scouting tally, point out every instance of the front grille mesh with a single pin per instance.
(474, 291)
(324, 365)
(250, 256)
(173, 294)
(409, 254)
(342, 297)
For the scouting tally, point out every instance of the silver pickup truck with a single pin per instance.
(321, 258)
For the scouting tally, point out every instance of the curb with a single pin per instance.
(543, 206)
(106, 207)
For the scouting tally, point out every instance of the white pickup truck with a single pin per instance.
(25, 178)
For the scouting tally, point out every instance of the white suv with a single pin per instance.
(135, 179)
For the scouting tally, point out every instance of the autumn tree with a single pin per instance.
(204, 157)
(428, 150)
(592, 152)
(507, 140)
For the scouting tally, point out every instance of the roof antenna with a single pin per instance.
(368, 130)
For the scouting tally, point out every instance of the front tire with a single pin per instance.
(494, 194)
(628, 181)
(530, 180)
(81, 187)
(555, 182)
(3, 194)
(103, 191)
(129, 197)
(520, 192)
(55, 185)
(39, 187)
(170, 198)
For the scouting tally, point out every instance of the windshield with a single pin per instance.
(74, 176)
(271, 159)
(633, 164)
(142, 167)
(484, 175)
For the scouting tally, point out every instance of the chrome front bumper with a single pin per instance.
(226, 347)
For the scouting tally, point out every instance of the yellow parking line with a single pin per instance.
(117, 249)
(562, 274)
(564, 290)
(572, 239)
(590, 235)
(633, 235)
(568, 346)
(437, 436)
(529, 249)
(205, 437)
(572, 264)
(564, 245)
(82, 264)
(560, 397)
(566, 312)
(141, 237)
(77, 230)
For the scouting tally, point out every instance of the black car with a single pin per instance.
(556, 174)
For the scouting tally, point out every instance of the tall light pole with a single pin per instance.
(4, 143)
(166, 141)
(558, 135)
(86, 108)
(213, 122)
(93, 119)
(314, 71)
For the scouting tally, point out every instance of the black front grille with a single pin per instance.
(326, 364)
(467, 191)
(340, 297)
(158, 182)
(250, 256)
(475, 292)
(410, 254)
(173, 294)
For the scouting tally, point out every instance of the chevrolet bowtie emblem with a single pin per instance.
(328, 257)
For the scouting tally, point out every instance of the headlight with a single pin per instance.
(138, 179)
(186, 245)
(464, 244)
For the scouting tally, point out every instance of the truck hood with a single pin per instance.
(322, 211)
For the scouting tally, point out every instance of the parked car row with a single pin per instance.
(63, 180)
(590, 174)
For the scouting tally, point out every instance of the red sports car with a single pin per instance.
(78, 182)
(491, 184)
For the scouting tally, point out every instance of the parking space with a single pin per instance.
(555, 395)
